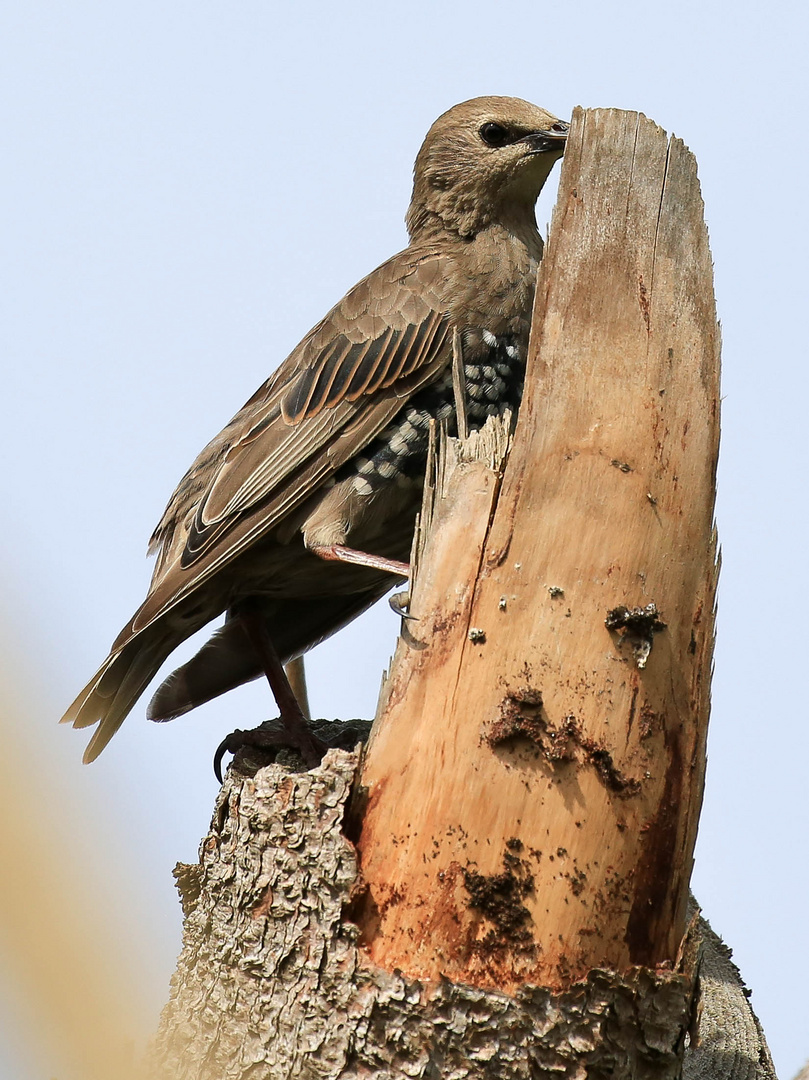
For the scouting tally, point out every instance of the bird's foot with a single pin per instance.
(400, 603)
(269, 743)
(263, 745)
(340, 553)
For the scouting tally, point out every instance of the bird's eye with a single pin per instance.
(494, 134)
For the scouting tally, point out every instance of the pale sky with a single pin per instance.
(186, 189)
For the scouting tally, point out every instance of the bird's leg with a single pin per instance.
(292, 716)
(340, 553)
(297, 733)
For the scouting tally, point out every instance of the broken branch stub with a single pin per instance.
(535, 773)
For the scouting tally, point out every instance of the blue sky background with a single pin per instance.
(187, 187)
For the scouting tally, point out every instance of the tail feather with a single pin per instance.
(112, 692)
(227, 659)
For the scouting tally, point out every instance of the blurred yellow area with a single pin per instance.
(66, 950)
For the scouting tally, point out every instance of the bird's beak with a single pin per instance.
(552, 139)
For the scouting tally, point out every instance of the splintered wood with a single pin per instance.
(535, 773)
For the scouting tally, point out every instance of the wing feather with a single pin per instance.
(382, 374)
(367, 361)
(324, 393)
(330, 397)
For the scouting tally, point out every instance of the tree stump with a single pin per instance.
(271, 983)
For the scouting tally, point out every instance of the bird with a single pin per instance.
(300, 513)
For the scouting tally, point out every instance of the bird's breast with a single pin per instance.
(494, 372)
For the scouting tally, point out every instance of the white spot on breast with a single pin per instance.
(416, 418)
(490, 339)
(362, 487)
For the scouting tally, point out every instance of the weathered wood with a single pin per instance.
(271, 984)
(534, 777)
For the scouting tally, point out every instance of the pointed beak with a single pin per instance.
(550, 140)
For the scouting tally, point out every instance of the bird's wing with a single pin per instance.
(333, 394)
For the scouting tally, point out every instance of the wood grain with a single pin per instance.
(533, 790)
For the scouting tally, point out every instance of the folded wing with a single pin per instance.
(334, 393)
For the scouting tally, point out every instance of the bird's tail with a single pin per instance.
(116, 686)
(228, 660)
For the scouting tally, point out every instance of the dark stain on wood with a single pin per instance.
(652, 882)
(521, 721)
(498, 897)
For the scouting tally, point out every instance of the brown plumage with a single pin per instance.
(287, 476)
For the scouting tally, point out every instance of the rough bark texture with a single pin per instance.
(271, 984)
(535, 773)
(728, 1042)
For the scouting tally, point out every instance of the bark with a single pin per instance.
(271, 983)
(728, 1042)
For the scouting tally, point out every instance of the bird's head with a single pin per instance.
(483, 161)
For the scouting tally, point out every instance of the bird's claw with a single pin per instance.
(400, 603)
(268, 736)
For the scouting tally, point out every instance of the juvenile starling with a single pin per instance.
(293, 519)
